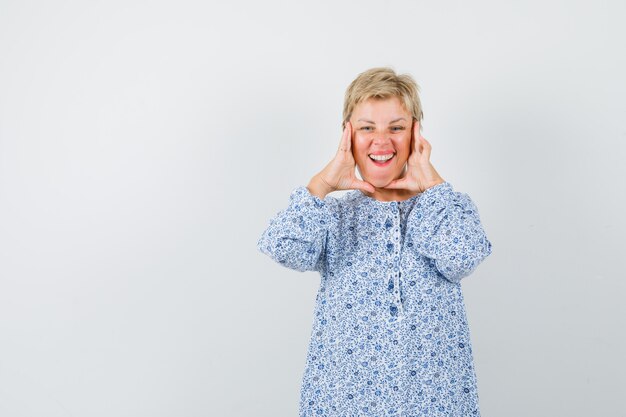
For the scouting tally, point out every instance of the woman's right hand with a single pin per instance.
(339, 174)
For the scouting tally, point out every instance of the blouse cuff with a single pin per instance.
(303, 193)
(303, 201)
(436, 196)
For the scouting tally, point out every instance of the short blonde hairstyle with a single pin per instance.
(383, 83)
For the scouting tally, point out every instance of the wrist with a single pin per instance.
(435, 183)
(318, 187)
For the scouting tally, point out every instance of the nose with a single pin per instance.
(381, 139)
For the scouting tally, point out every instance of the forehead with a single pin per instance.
(380, 110)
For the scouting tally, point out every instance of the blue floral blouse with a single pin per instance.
(390, 335)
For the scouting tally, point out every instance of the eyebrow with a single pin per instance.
(369, 121)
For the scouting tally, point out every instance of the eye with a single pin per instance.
(366, 127)
(397, 127)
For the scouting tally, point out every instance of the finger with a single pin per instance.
(399, 184)
(349, 137)
(365, 186)
(427, 148)
(344, 139)
(416, 138)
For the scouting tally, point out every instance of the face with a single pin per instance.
(381, 127)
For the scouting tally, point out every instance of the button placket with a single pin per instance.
(395, 232)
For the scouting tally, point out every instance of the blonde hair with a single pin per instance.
(383, 83)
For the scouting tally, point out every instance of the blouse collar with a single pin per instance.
(395, 203)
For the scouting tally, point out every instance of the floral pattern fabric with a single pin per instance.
(390, 335)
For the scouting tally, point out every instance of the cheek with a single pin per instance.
(404, 144)
(359, 145)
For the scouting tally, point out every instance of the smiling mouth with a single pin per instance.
(382, 163)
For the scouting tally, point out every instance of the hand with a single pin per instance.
(420, 174)
(339, 173)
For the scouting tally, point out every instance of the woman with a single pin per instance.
(390, 335)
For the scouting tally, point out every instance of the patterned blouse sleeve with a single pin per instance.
(445, 226)
(296, 236)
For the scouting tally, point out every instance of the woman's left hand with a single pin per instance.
(420, 174)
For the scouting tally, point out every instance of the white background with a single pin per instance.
(144, 145)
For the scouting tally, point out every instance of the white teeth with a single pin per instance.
(381, 157)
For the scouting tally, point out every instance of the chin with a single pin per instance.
(380, 182)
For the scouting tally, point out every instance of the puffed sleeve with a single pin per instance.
(444, 225)
(296, 236)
